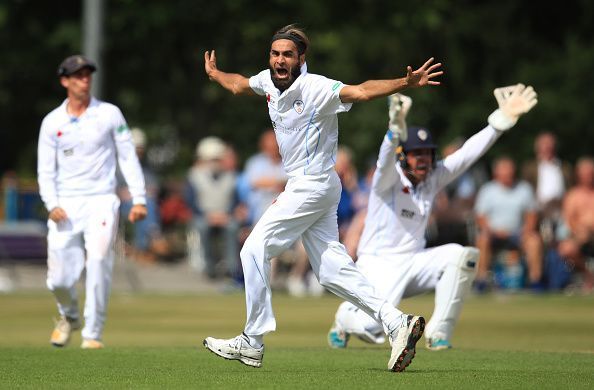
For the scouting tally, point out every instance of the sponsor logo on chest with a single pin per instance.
(407, 213)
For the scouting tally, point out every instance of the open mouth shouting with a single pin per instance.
(283, 76)
(281, 73)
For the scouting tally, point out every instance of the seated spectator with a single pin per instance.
(265, 176)
(353, 233)
(578, 213)
(211, 193)
(350, 187)
(507, 219)
(148, 243)
(453, 212)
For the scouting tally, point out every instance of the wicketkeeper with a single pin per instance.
(391, 252)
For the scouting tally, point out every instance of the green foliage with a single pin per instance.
(153, 67)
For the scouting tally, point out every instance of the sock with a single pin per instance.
(254, 341)
(391, 317)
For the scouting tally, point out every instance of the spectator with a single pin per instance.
(148, 241)
(453, 215)
(578, 213)
(352, 235)
(507, 219)
(549, 177)
(265, 175)
(211, 192)
(348, 179)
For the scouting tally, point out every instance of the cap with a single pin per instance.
(75, 63)
(418, 138)
(210, 148)
(138, 137)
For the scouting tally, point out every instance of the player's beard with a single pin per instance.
(284, 84)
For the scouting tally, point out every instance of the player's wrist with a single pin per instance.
(501, 121)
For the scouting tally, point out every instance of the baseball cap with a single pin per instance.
(418, 138)
(75, 63)
(210, 148)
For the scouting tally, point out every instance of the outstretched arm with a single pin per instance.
(513, 102)
(385, 175)
(379, 88)
(234, 82)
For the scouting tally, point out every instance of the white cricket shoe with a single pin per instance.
(92, 344)
(403, 340)
(62, 331)
(236, 348)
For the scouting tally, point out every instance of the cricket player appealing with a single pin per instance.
(80, 143)
(391, 252)
(303, 108)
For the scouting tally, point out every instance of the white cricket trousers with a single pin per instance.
(398, 276)
(306, 209)
(91, 227)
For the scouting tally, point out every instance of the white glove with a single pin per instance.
(399, 105)
(514, 101)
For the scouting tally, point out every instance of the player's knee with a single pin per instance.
(60, 282)
(468, 259)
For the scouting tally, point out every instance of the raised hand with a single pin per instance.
(424, 75)
(399, 105)
(513, 101)
(516, 100)
(210, 63)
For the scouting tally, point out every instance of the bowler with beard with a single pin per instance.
(303, 108)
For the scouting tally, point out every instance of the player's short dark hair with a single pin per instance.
(295, 34)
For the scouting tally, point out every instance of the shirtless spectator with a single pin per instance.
(578, 213)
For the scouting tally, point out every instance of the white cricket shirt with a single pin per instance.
(398, 213)
(304, 118)
(78, 156)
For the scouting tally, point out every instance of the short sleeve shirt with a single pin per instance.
(505, 207)
(304, 118)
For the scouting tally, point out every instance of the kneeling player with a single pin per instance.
(392, 253)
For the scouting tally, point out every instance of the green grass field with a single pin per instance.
(154, 341)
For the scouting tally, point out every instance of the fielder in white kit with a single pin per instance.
(303, 108)
(391, 252)
(80, 143)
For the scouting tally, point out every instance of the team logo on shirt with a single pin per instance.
(298, 106)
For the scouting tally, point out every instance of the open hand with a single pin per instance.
(424, 75)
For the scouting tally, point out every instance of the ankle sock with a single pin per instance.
(254, 341)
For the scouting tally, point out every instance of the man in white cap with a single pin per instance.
(213, 197)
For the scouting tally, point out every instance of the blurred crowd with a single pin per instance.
(533, 224)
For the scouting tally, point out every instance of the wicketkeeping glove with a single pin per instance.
(514, 101)
(399, 105)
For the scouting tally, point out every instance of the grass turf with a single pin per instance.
(154, 341)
